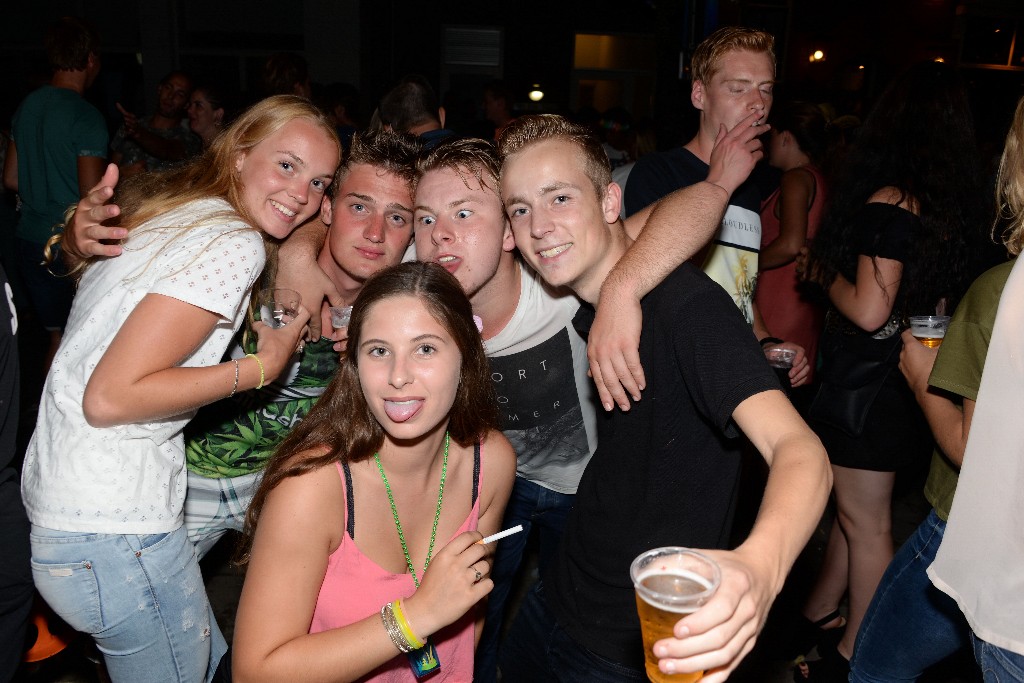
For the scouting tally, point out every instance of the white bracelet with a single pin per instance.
(235, 387)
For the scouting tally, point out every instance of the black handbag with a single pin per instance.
(851, 378)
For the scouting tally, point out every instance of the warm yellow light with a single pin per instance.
(939, 60)
(819, 55)
(536, 95)
(861, 67)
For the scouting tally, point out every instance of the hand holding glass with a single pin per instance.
(670, 583)
(279, 306)
(929, 329)
(781, 360)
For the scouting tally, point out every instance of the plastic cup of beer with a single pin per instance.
(670, 583)
(929, 329)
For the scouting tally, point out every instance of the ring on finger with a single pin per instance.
(478, 576)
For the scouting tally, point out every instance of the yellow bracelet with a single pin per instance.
(263, 377)
(403, 624)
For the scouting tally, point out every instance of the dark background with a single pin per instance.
(596, 53)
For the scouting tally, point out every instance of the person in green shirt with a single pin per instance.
(57, 152)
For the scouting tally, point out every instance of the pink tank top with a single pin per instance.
(356, 587)
(787, 312)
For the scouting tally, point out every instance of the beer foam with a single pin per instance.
(692, 600)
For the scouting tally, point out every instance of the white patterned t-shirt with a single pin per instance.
(130, 479)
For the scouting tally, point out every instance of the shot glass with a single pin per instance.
(929, 329)
(340, 316)
(781, 361)
(279, 306)
(670, 583)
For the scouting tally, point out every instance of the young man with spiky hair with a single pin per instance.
(539, 361)
(369, 214)
(665, 472)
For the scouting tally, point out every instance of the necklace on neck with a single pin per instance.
(437, 513)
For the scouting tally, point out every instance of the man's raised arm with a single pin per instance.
(667, 233)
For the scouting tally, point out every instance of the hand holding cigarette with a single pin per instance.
(500, 535)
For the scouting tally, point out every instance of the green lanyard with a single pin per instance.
(437, 514)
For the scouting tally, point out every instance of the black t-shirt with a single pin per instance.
(656, 175)
(884, 230)
(665, 472)
(8, 379)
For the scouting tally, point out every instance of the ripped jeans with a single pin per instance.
(141, 598)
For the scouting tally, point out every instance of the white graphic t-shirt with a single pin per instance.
(731, 260)
(547, 403)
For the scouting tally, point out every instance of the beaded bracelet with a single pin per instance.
(260, 363)
(234, 388)
(387, 615)
(403, 624)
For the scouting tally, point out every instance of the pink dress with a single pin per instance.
(787, 313)
(356, 587)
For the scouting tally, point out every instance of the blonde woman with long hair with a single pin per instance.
(104, 476)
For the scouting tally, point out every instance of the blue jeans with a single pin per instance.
(998, 665)
(538, 650)
(141, 598)
(530, 504)
(910, 624)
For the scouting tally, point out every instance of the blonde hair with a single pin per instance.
(213, 174)
(1010, 185)
(709, 53)
(527, 130)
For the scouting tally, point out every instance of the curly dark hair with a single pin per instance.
(342, 421)
(919, 138)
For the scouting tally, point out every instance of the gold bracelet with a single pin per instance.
(387, 615)
(403, 624)
(263, 377)
(235, 387)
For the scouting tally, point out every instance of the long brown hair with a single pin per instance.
(342, 421)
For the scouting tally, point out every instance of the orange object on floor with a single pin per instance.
(52, 634)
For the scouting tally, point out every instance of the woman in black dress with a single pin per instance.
(900, 238)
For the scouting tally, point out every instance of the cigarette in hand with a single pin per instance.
(500, 535)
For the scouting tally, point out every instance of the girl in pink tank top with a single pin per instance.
(364, 563)
(789, 220)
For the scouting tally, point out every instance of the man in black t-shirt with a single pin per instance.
(733, 73)
(665, 472)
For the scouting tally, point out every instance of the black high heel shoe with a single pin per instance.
(831, 668)
(809, 634)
